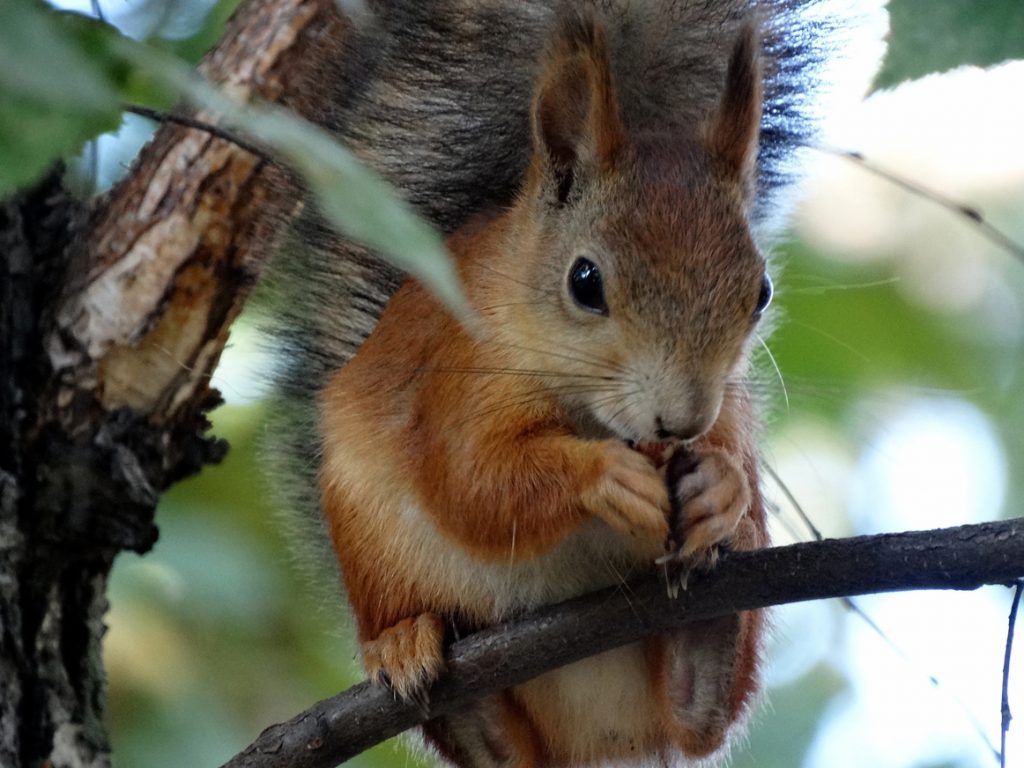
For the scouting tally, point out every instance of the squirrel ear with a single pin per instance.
(732, 132)
(576, 124)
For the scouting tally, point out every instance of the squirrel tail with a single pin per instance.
(435, 95)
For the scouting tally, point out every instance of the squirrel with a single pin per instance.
(604, 198)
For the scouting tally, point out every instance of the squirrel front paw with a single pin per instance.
(629, 495)
(407, 657)
(710, 495)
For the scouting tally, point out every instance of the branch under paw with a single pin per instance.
(500, 657)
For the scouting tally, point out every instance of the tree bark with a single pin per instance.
(111, 321)
(54, 555)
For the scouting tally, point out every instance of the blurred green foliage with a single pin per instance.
(192, 47)
(840, 345)
(928, 36)
(775, 744)
(53, 95)
(215, 633)
(94, 69)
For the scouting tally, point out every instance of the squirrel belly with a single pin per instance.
(450, 476)
(469, 476)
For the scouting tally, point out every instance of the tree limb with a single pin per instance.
(112, 318)
(341, 727)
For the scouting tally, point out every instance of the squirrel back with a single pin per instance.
(435, 95)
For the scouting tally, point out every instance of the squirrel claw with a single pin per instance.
(678, 566)
(407, 658)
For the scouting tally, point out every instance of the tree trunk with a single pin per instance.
(111, 321)
(55, 552)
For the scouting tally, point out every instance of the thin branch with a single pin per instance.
(989, 231)
(198, 125)
(341, 727)
(854, 607)
(797, 506)
(1006, 716)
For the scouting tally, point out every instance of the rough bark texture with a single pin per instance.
(54, 556)
(341, 727)
(111, 322)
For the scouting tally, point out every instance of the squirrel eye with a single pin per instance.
(765, 297)
(586, 286)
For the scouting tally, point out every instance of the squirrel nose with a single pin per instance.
(682, 431)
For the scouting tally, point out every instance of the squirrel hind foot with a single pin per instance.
(698, 680)
(408, 657)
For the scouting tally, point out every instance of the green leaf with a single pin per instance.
(191, 49)
(38, 60)
(131, 85)
(35, 134)
(354, 198)
(928, 36)
(359, 201)
(53, 96)
(63, 78)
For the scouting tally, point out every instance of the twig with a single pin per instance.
(791, 498)
(854, 607)
(199, 125)
(1005, 708)
(341, 727)
(972, 214)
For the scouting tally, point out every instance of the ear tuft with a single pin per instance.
(732, 132)
(576, 123)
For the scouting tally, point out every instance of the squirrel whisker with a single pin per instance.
(578, 358)
(540, 394)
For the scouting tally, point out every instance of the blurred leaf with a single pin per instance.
(34, 135)
(38, 60)
(354, 198)
(192, 48)
(782, 732)
(130, 84)
(63, 77)
(927, 36)
(53, 96)
(60, 86)
(834, 343)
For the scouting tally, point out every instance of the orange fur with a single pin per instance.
(466, 479)
(408, 655)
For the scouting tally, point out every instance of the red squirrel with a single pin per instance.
(467, 477)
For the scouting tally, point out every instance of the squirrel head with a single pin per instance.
(630, 251)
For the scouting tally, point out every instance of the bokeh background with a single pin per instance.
(895, 401)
